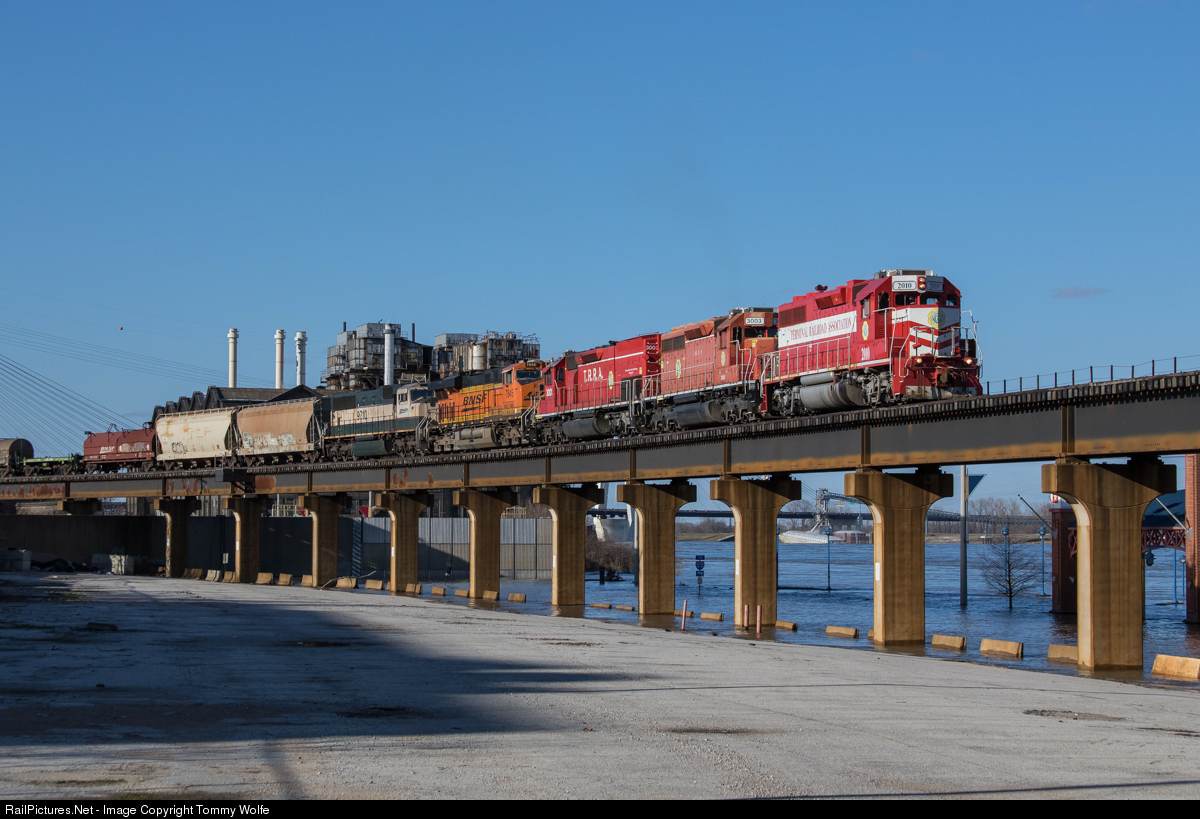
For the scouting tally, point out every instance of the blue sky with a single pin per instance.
(587, 171)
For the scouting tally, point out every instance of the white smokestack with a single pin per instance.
(301, 344)
(279, 337)
(389, 342)
(233, 337)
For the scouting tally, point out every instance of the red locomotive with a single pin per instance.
(895, 337)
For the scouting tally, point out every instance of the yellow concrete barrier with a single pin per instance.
(712, 615)
(347, 583)
(1063, 654)
(264, 579)
(948, 642)
(418, 588)
(373, 585)
(307, 580)
(285, 580)
(841, 631)
(462, 593)
(514, 597)
(229, 577)
(785, 625)
(601, 605)
(624, 608)
(1183, 668)
(679, 613)
(437, 591)
(491, 595)
(1002, 648)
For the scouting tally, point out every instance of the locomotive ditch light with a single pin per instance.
(920, 282)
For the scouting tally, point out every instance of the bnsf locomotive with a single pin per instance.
(896, 337)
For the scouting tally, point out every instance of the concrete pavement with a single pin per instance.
(226, 690)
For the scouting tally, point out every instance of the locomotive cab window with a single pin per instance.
(866, 308)
(951, 301)
(559, 376)
(508, 377)
(883, 301)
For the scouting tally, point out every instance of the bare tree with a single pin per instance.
(1009, 569)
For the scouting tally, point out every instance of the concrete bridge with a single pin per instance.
(1136, 421)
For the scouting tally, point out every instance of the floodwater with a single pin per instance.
(849, 603)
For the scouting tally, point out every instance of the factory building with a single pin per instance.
(455, 353)
(358, 360)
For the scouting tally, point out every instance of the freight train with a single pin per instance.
(893, 338)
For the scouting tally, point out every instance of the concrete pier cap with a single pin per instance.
(899, 503)
(1108, 501)
(756, 504)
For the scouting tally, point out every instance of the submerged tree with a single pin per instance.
(1008, 569)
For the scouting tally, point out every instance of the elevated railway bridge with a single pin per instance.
(894, 458)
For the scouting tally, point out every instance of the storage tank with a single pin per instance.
(14, 450)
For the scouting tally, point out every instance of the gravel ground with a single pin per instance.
(214, 690)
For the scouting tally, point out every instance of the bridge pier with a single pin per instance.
(405, 511)
(1191, 572)
(568, 508)
(247, 522)
(656, 505)
(899, 504)
(90, 506)
(484, 510)
(755, 506)
(177, 511)
(1064, 571)
(324, 510)
(1109, 501)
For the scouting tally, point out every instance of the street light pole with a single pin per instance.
(828, 575)
(1042, 533)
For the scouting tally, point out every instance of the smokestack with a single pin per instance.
(389, 342)
(413, 337)
(301, 345)
(233, 337)
(279, 337)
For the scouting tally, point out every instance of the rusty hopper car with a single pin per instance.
(133, 449)
(192, 439)
(280, 432)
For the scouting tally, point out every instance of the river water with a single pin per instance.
(849, 603)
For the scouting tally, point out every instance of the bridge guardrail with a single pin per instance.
(1094, 375)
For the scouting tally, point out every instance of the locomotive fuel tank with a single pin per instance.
(823, 392)
(701, 414)
(584, 428)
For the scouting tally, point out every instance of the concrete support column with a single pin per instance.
(324, 510)
(1109, 501)
(177, 511)
(898, 506)
(247, 520)
(755, 506)
(1191, 572)
(484, 509)
(80, 507)
(569, 508)
(405, 511)
(1063, 569)
(656, 506)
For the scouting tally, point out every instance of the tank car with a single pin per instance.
(13, 452)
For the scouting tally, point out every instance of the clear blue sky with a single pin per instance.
(587, 171)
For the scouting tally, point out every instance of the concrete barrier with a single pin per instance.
(410, 588)
(1182, 668)
(601, 605)
(213, 576)
(514, 597)
(624, 608)
(437, 591)
(307, 580)
(786, 625)
(948, 642)
(1063, 654)
(841, 631)
(462, 593)
(18, 560)
(347, 583)
(871, 634)
(264, 579)
(373, 585)
(491, 595)
(679, 613)
(285, 580)
(712, 615)
(1002, 648)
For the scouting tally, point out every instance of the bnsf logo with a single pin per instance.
(474, 399)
